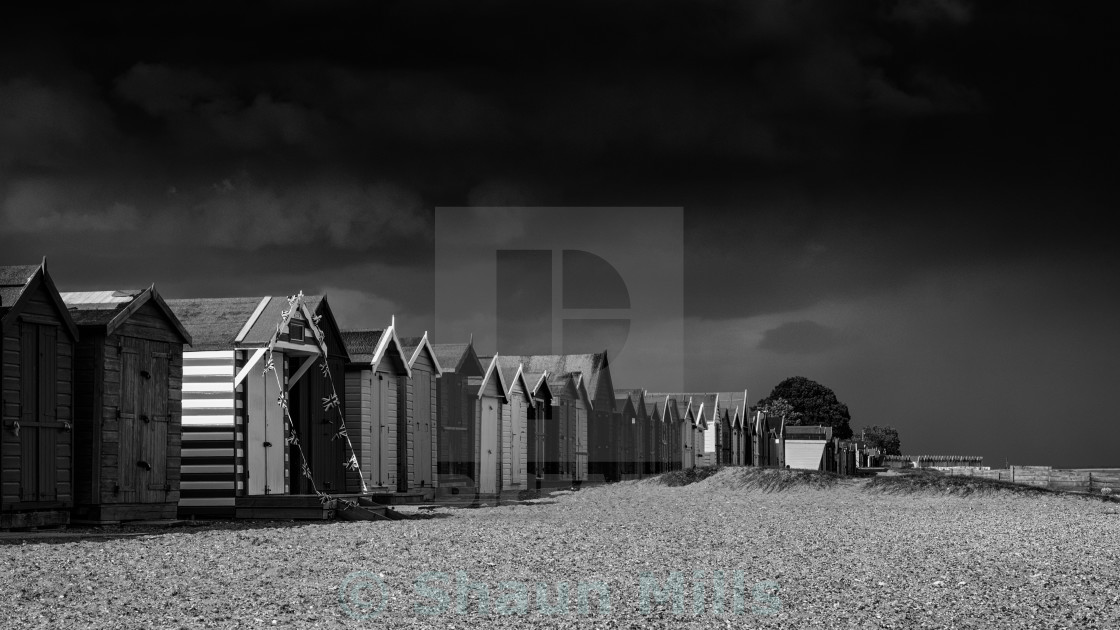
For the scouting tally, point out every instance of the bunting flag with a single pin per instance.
(306, 470)
(341, 433)
(324, 368)
(352, 463)
(315, 319)
(269, 365)
(293, 438)
(330, 401)
(282, 400)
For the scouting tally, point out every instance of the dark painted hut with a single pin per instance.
(37, 340)
(128, 401)
(455, 467)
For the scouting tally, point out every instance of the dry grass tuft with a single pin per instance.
(935, 482)
(749, 478)
(686, 477)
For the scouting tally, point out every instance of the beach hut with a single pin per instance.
(515, 427)
(455, 427)
(37, 339)
(241, 456)
(658, 435)
(688, 415)
(768, 434)
(625, 421)
(127, 405)
(538, 427)
(674, 429)
(806, 446)
(377, 415)
(488, 396)
(423, 410)
(592, 372)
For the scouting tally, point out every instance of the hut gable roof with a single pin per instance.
(240, 322)
(15, 281)
(214, 323)
(592, 367)
(371, 346)
(458, 357)
(538, 383)
(493, 371)
(413, 346)
(110, 309)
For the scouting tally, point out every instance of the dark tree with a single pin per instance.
(883, 438)
(813, 404)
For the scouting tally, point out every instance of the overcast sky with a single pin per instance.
(903, 200)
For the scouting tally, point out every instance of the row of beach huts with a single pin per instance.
(119, 405)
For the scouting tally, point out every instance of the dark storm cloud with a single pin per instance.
(800, 337)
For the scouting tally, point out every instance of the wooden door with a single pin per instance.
(422, 414)
(581, 443)
(539, 431)
(516, 440)
(155, 418)
(128, 452)
(488, 446)
(383, 425)
(39, 425)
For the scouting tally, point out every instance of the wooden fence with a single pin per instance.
(1068, 479)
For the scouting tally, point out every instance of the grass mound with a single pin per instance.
(686, 477)
(750, 478)
(935, 482)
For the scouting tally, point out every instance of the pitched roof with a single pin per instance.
(112, 308)
(411, 348)
(13, 280)
(214, 323)
(361, 344)
(591, 366)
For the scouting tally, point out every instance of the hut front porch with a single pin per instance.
(291, 506)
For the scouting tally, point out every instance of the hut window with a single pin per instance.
(295, 331)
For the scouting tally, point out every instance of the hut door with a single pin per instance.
(381, 426)
(488, 458)
(154, 419)
(539, 434)
(422, 388)
(580, 444)
(38, 400)
(128, 452)
(516, 439)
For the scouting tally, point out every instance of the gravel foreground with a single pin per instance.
(837, 557)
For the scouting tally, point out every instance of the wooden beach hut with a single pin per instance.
(658, 438)
(423, 409)
(686, 411)
(488, 397)
(626, 423)
(240, 453)
(596, 441)
(377, 416)
(455, 425)
(538, 428)
(515, 427)
(127, 405)
(37, 340)
(806, 447)
(767, 435)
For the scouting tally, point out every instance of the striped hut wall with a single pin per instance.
(213, 445)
